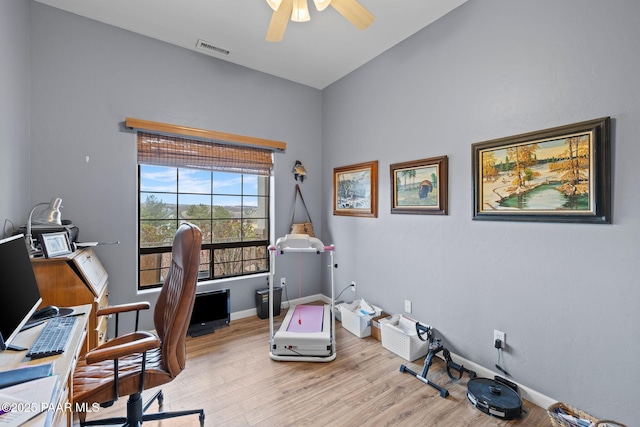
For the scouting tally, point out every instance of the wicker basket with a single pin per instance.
(303, 228)
(558, 421)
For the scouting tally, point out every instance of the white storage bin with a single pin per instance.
(354, 320)
(399, 336)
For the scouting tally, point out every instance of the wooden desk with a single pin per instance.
(63, 365)
(75, 279)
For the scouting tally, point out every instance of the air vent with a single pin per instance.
(211, 48)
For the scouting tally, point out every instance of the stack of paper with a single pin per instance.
(23, 401)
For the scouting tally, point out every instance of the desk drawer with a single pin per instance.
(101, 331)
(104, 300)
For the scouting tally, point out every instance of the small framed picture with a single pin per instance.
(55, 244)
(420, 186)
(355, 190)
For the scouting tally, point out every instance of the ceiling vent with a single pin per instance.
(206, 46)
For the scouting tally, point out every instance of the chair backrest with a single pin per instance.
(175, 302)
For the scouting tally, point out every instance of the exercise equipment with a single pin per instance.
(307, 332)
(435, 347)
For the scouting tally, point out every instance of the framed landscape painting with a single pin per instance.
(355, 190)
(420, 186)
(561, 174)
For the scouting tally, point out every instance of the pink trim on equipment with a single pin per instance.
(306, 318)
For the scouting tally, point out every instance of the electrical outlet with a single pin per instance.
(283, 282)
(353, 286)
(407, 306)
(499, 335)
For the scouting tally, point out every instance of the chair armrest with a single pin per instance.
(135, 342)
(123, 308)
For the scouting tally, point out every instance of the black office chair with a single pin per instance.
(131, 363)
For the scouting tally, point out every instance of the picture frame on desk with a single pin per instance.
(55, 244)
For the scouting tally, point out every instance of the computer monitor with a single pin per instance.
(19, 293)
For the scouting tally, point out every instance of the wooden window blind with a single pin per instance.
(163, 150)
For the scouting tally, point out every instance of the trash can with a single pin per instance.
(262, 302)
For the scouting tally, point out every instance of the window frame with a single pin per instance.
(209, 246)
(214, 137)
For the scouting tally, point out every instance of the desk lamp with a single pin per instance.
(49, 216)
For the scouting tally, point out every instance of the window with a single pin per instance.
(222, 189)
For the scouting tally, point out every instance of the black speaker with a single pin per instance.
(262, 302)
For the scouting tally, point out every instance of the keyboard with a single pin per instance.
(53, 338)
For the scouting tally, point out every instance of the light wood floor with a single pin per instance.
(229, 374)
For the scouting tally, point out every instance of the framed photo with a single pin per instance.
(55, 244)
(561, 174)
(420, 187)
(355, 190)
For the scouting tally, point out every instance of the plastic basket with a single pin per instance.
(399, 336)
(558, 409)
(354, 321)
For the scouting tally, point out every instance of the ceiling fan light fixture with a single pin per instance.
(274, 4)
(300, 11)
(321, 4)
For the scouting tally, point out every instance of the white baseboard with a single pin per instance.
(253, 312)
(527, 393)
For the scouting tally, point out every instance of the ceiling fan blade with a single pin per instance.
(274, 4)
(321, 4)
(354, 12)
(279, 21)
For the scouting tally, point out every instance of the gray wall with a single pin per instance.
(565, 294)
(87, 77)
(14, 112)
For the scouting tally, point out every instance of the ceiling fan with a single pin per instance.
(298, 11)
